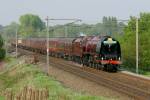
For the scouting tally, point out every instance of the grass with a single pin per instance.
(16, 77)
(144, 72)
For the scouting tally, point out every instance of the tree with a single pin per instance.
(110, 25)
(30, 24)
(2, 51)
(128, 42)
(1, 28)
(1, 42)
(9, 31)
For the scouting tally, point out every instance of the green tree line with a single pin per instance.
(32, 26)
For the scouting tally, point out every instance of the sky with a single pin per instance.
(89, 11)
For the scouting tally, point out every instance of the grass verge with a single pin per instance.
(17, 77)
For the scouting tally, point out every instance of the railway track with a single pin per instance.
(106, 79)
(134, 86)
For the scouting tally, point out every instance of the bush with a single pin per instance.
(2, 53)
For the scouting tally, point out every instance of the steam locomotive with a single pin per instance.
(93, 51)
(97, 51)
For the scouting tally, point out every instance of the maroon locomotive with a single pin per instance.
(93, 51)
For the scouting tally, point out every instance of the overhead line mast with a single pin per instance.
(47, 40)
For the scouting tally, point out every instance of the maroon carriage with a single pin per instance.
(77, 49)
(61, 47)
(68, 47)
